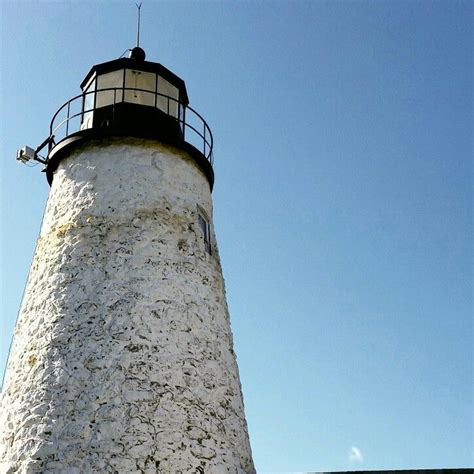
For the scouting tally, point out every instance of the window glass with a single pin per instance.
(205, 229)
(181, 118)
(88, 105)
(140, 80)
(105, 81)
(169, 106)
(90, 84)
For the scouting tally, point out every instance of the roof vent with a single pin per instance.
(137, 53)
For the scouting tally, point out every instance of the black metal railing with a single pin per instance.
(72, 116)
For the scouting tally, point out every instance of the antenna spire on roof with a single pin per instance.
(137, 52)
(139, 6)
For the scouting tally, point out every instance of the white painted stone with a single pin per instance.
(122, 358)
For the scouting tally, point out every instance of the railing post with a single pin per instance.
(67, 121)
(184, 122)
(115, 100)
(204, 147)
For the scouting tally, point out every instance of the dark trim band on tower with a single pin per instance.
(60, 150)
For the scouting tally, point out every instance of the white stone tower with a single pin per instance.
(122, 357)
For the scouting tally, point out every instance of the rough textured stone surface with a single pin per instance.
(122, 358)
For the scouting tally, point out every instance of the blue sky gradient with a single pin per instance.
(343, 204)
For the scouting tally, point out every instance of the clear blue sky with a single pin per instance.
(343, 204)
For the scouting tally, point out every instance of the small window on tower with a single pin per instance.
(205, 229)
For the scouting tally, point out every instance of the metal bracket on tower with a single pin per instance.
(27, 153)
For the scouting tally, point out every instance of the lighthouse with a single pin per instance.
(122, 357)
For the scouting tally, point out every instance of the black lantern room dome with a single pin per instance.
(131, 97)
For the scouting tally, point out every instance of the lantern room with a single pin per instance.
(129, 81)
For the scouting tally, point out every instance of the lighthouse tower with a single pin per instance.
(122, 358)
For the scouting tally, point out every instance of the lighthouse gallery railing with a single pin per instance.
(70, 117)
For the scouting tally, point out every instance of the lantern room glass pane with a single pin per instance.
(106, 81)
(140, 81)
(88, 105)
(181, 117)
(169, 106)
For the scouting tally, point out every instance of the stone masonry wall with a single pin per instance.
(122, 358)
